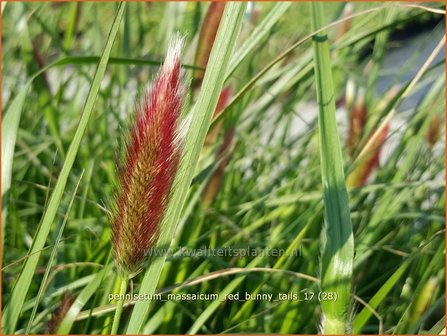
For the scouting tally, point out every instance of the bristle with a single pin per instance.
(152, 156)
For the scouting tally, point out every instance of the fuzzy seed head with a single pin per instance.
(434, 131)
(145, 178)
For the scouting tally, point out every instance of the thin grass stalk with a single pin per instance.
(108, 321)
(337, 242)
(362, 172)
(83, 297)
(119, 308)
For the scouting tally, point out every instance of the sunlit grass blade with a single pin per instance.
(250, 222)
(376, 134)
(364, 315)
(10, 126)
(199, 124)
(438, 328)
(14, 306)
(250, 84)
(407, 321)
(259, 33)
(337, 238)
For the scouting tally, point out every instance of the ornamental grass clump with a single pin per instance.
(152, 153)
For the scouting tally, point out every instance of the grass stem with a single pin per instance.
(119, 308)
(337, 242)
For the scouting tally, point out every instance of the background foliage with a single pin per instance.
(270, 193)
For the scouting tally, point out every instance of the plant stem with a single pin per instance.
(108, 320)
(119, 307)
(337, 242)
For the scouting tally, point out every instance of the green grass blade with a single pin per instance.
(82, 299)
(200, 121)
(10, 122)
(249, 85)
(10, 126)
(260, 32)
(71, 25)
(112, 60)
(363, 317)
(337, 238)
(438, 328)
(14, 306)
(212, 307)
(380, 45)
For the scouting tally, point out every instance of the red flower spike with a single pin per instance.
(357, 122)
(153, 150)
(362, 172)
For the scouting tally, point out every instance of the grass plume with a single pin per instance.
(152, 155)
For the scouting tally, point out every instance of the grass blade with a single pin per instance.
(337, 238)
(82, 299)
(363, 317)
(14, 307)
(260, 32)
(200, 121)
(10, 126)
(438, 328)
